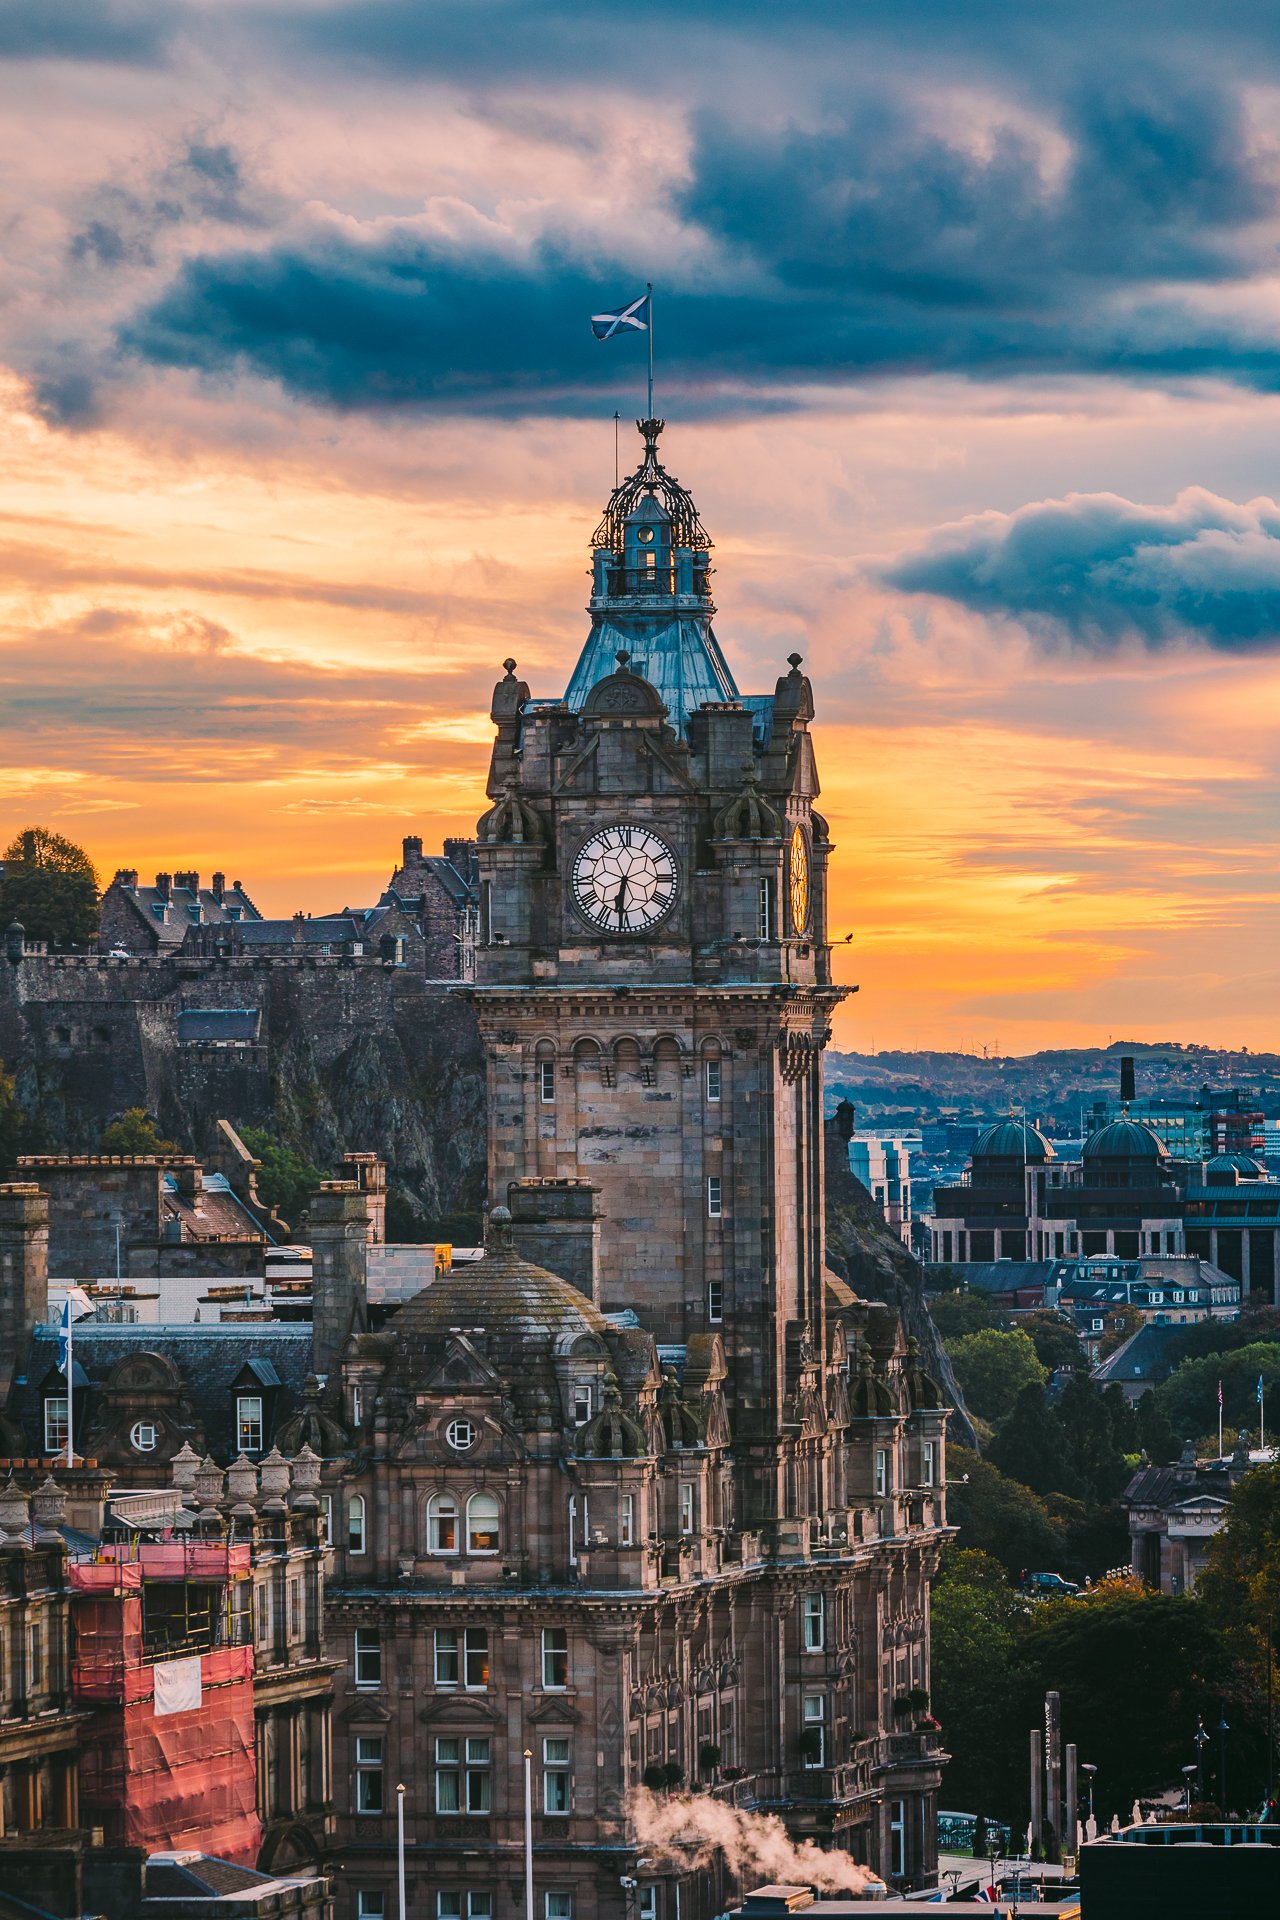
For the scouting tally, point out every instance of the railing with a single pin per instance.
(920, 1747)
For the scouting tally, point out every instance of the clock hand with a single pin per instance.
(619, 905)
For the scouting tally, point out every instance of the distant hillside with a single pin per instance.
(1053, 1086)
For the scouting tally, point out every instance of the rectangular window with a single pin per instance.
(815, 1729)
(477, 1794)
(897, 1837)
(627, 1520)
(249, 1422)
(355, 1523)
(555, 1658)
(368, 1660)
(882, 1472)
(686, 1506)
(555, 1776)
(547, 1081)
(371, 1904)
(369, 1773)
(928, 1466)
(557, 1906)
(448, 1776)
(647, 1903)
(326, 1518)
(764, 925)
(55, 1424)
(713, 1197)
(35, 1674)
(357, 1406)
(479, 1906)
(476, 1658)
(712, 1071)
(446, 1656)
(715, 1301)
(295, 1609)
(449, 1906)
(815, 1623)
(581, 1405)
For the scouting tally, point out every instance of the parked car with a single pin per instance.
(1048, 1586)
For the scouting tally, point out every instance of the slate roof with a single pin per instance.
(221, 1026)
(219, 1216)
(679, 656)
(209, 1358)
(170, 917)
(1145, 1356)
(1176, 1486)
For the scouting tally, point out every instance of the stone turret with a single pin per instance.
(339, 1234)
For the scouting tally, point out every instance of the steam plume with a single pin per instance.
(686, 1832)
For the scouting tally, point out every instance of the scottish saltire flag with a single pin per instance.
(1219, 1393)
(630, 319)
(64, 1338)
(1259, 1389)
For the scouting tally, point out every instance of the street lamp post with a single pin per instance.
(1223, 1731)
(528, 1833)
(1202, 1740)
(400, 1847)
(1188, 1775)
(1088, 1772)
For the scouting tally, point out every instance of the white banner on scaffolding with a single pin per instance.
(178, 1686)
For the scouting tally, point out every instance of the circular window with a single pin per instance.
(143, 1436)
(644, 535)
(460, 1434)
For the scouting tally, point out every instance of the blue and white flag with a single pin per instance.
(1259, 1389)
(64, 1339)
(630, 319)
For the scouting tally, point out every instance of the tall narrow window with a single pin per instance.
(627, 1520)
(712, 1071)
(475, 1652)
(369, 1796)
(249, 1422)
(446, 1652)
(557, 1906)
(555, 1658)
(368, 1660)
(882, 1472)
(897, 1837)
(713, 1197)
(815, 1623)
(355, 1523)
(326, 1518)
(442, 1523)
(686, 1506)
(647, 1903)
(766, 911)
(477, 1784)
(715, 1302)
(815, 1730)
(547, 1081)
(928, 1467)
(582, 1403)
(555, 1776)
(482, 1523)
(357, 1406)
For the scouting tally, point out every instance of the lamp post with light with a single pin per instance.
(1201, 1739)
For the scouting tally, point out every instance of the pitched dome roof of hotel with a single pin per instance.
(1011, 1140)
(1242, 1163)
(1125, 1140)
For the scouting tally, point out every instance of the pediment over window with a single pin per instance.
(462, 1370)
(459, 1709)
(365, 1713)
(555, 1708)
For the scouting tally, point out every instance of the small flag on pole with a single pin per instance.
(1259, 1389)
(633, 318)
(1219, 1393)
(64, 1338)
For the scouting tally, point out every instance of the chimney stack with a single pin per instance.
(164, 885)
(24, 1273)
(219, 885)
(339, 1236)
(1127, 1093)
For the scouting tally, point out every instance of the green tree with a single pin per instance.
(993, 1368)
(135, 1133)
(1156, 1436)
(1240, 1586)
(1055, 1340)
(285, 1180)
(1087, 1423)
(1124, 1421)
(1032, 1447)
(50, 886)
(1000, 1516)
(1189, 1396)
(959, 1312)
(13, 1123)
(975, 1620)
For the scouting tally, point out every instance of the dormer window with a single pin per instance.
(582, 1404)
(55, 1423)
(249, 1422)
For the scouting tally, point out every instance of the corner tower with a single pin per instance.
(654, 983)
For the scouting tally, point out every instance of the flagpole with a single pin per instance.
(1219, 1419)
(649, 285)
(71, 1368)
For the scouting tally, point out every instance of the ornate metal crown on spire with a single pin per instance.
(651, 477)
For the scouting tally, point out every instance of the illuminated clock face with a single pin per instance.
(799, 881)
(624, 880)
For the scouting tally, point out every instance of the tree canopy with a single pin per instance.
(1055, 1340)
(1189, 1397)
(993, 1368)
(13, 1123)
(962, 1311)
(286, 1181)
(135, 1133)
(999, 1516)
(50, 887)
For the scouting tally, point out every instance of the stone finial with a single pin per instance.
(512, 819)
(749, 815)
(184, 1467)
(49, 1504)
(306, 1467)
(15, 1514)
(274, 1475)
(498, 1238)
(210, 1482)
(242, 1480)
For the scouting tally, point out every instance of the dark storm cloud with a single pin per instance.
(204, 181)
(134, 32)
(885, 242)
(1099, 571)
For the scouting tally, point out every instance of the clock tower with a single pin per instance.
(653, 982)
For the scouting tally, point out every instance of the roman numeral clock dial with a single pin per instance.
(624, 880)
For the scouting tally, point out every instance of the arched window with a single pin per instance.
(482, 1523)
(355, 1523)
(442, 1523)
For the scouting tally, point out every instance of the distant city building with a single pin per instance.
(883, 1165)
(157, 919)
(1174, 1513)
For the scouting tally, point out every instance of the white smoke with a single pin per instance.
(684, 1832)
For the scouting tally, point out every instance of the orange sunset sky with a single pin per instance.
(268, 533)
